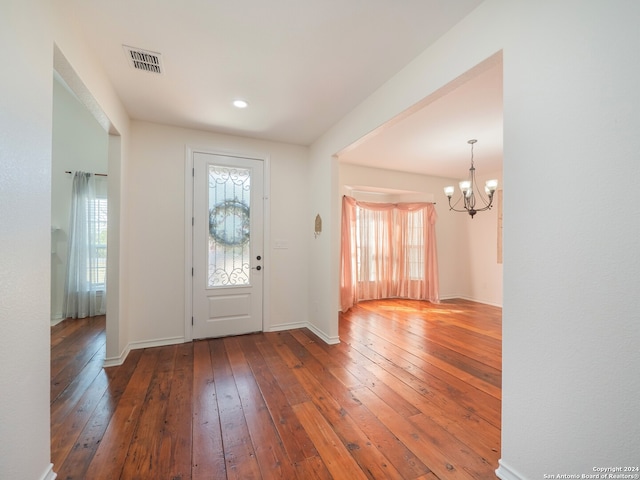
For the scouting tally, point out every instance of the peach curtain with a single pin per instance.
(388, 250)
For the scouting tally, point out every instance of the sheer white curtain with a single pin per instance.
(84, 258)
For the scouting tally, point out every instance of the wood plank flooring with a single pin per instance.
(413, 391)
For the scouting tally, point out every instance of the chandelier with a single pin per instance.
(469, 193)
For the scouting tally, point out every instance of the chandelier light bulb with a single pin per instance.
(491, 185)
(448, 191)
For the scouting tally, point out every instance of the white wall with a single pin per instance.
(79, 143)
(25, 237)
(571, 323)
(482, 268)
(571, 327)
(157, 238)
(28, 29)
(324, 250)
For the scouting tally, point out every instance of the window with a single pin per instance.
(379, 239)
(372, 243)
(85, 288)
(97, 267)
(415, 245)
(387, 250)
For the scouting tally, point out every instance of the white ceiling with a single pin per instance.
(301, 64)
(432, 138)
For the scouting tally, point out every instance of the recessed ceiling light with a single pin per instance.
(240, 104)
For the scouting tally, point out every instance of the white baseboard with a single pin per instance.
(325, 338)
(450, 297)
(119, 360)
(159, 342)
(56, 319)
(287, 326)
(293, 326)
(49, 474)
(463, 297)
(505, 472)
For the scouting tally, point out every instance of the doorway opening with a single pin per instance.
(97, 150)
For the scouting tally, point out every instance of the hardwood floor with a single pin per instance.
(413, 391)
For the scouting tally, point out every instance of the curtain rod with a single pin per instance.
(363, 191)
(96, 174)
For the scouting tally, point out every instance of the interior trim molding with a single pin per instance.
(158, 342)
(49, 474)
(464, 297)
(119, 360)
(281, 327)
(506, 472)
(161, 342)
(325, 338)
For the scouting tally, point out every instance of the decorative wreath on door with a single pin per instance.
(229, 223)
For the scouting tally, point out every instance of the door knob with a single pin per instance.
(257, 268)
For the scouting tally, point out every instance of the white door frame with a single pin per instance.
(188, 234)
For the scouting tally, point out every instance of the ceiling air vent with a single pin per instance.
(144, 60)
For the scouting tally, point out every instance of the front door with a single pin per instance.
(227, 245)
